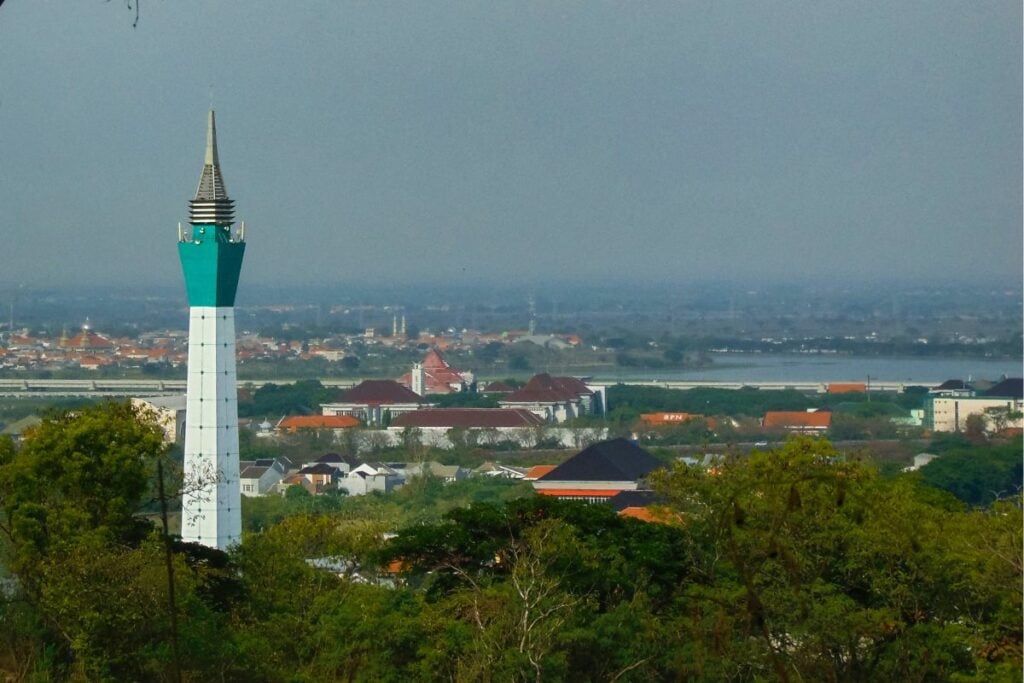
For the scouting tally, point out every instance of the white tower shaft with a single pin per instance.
(211, 504)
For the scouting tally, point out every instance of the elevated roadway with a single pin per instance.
(117, 388)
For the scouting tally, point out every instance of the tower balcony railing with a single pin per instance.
(233, 237)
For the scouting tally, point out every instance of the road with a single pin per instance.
(116, 388)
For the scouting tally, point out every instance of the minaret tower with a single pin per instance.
(211, 257)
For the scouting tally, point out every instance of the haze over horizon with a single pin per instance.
(405, 142)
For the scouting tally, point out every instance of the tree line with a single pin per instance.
(791, 564)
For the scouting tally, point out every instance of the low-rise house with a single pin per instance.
(801, 422)
(261, 476)
(295, 479)
(446, 473)
(369, 477)
(322, 476)
(599, 472)
(342, 463)
(495, 469)
(17, 429)
(376, 401)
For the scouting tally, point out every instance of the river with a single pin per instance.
(758, 367)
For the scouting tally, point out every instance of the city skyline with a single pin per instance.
(406, 144)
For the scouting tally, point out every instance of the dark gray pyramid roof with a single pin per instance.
(615, 460)
(1011, 387)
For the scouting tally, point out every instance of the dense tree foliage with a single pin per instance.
(791, 564)
(631, 400)
(276, 400)
(978, 474)
(823, 572)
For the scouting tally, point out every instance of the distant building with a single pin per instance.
(376, 401)
(538, 471)
(321, 477)
(342, 463)
(802, 422)
(495, 469)
(169, 413)
(17, 429)
(952, 387)
(317, 423)
(599, 472)
(434, 375)
(483, 425)
(668, 419)
(646, 506)
(446, 473)
(556, 399)
(259, 477)
(847, 388)
(369, 477)
(950, 413)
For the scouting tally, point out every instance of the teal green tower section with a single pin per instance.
(210, 256)
(212, 263)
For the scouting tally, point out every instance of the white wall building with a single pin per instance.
(950, 413)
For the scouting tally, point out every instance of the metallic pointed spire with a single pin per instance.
(211, 205)
(211, 140)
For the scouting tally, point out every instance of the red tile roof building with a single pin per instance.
(797, 421)
(469, 418)
(847, 388)
(479, 426)
(538, 471)
(295, 423)
(375, 401)
(665, 419)
(438, 376)
(556, 399)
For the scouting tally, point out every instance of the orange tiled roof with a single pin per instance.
(847, 388)
(643, 514)
(655, 515)
(795, 419)
(579, 493)
(538, 471)
(662, 419)
(296, 422)
(669, 418)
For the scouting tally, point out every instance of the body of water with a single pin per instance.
(757, 367)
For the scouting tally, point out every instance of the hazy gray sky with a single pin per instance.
(400, 141)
